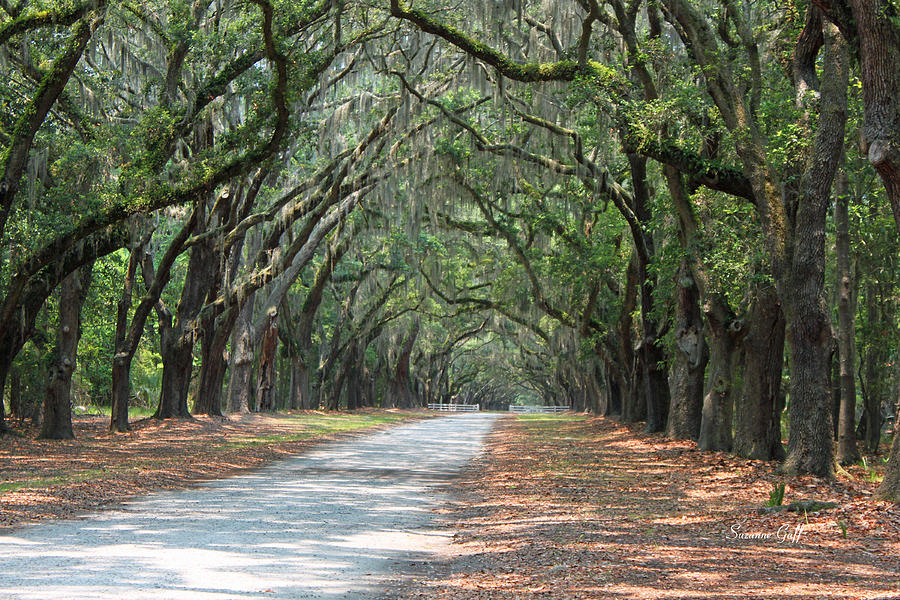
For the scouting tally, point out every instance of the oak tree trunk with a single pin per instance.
(803, 289)
(239, 386)
(689, 361)
(651, 353)
(177, 352)
(879, 48)
(16, 410)
(631, 400)
(890, 486)
(213, 332)
(724, 334)
(213, 366)
(56, 423)
(121, 363)
(757, 426)
(847, 452)
(400, 384)
(265, 381)
(613, 397)
(301, 397)
(177, 346)
(634, 406)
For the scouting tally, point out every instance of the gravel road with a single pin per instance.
(331, 523)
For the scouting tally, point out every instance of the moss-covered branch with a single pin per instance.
(66, 15)
(150, 195)
(708, 173)
(563, 70)
(13, 161)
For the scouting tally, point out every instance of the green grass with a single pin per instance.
(312, 426)
(134, 412)
(290, 428)
(873, 473)
(550, 417)
(42, 482)
(776, 496)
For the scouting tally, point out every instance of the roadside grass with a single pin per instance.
(66, 478)
(58, 478)
(310, 426)
(553, 417)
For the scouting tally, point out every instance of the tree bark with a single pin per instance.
(177, 358)
(875, 364)
(301, 395)
(400, 390)
(689, 362)
(792, 236)
(177, 343)
(651, 354)
(213, 365)
(239, 387)
(724, 333)
(890, 486)
(632, 398)
(218, 319)
(834, 382)
(121, 363)
(757, 427)
(129, 336)
(213, 332)
(16, 411)
(265, 383)
(27, 296)
(354, 382)
(809, 324)
(613, 403)
(56, 423)
(847, 452)
(872, 28)
(216, 327)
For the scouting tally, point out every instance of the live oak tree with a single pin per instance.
(794, 231)
(137, 189)
(620, 205)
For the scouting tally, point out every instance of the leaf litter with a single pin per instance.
(575, 508)
(53, 479)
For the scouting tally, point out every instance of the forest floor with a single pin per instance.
(568, 507)
(44, 479)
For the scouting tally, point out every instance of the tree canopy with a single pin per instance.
(682, 212)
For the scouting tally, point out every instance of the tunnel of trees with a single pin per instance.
(680, 212)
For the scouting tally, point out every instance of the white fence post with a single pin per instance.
(521, 409)
(454, 407)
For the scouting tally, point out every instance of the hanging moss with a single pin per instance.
(564, 70)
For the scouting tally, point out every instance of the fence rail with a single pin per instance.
(538, 409)
(454, 407)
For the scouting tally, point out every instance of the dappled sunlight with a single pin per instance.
(325, 524)
(628, 529)
(42, 479)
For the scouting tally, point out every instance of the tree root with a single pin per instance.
(799, 506)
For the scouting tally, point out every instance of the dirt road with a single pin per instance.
(332, 523)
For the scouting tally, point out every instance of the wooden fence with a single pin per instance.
(454, 407)
(513, 408)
